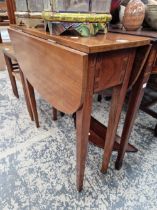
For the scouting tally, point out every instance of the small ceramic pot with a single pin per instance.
(134, 15)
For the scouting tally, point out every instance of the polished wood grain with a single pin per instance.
(61, 69)
(111, 78)
(100, 43)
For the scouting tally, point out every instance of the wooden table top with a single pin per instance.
(100, 43)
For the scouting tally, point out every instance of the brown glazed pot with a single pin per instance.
(134, 15)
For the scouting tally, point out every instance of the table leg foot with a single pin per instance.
(118, 165)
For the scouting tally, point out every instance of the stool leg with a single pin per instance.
(26, 95)
(31, 96)
(12, 78)
(54, 114)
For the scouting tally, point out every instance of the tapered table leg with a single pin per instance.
(31, 96)
(54, 114)
(83, 117)
(26, 95)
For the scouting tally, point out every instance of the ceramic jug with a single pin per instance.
(134, 15)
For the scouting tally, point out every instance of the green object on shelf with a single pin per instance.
(76, 29)
(76, 17)
(91, 29)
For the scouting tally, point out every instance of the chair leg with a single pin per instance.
(54, 114)
(26, 95)
(12, 78)
(31, 96)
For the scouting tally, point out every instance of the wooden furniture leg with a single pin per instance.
(118, 96)
(11, 76)
(134, 103)
(26, 95)
(0, 38)
(83, 117)
(54, 113)
(31, 96)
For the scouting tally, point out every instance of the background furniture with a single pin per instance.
(3, 14)
(137, 90)
(11, 9)
(89, 66)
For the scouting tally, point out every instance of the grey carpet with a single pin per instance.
(37, 166)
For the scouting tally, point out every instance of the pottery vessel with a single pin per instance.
(134, 15)
(151, 16)
(125, 2)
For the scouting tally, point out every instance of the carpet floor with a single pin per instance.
(37, 166)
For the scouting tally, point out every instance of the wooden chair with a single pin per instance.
(15, 72)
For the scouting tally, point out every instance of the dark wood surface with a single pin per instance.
(68, 72)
